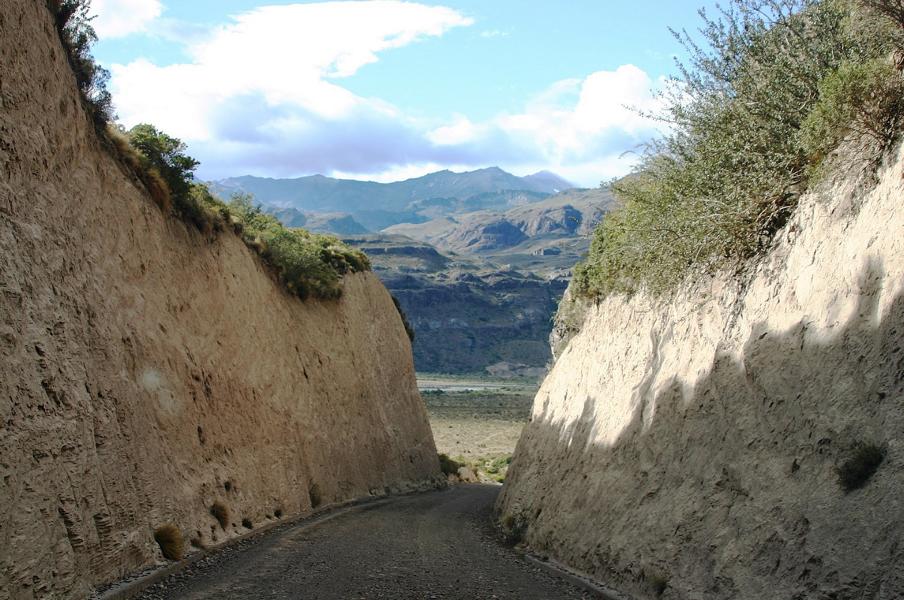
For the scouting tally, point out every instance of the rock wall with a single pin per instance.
(689, 448)
(147, 371)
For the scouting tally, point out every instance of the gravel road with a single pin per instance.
(433, 545)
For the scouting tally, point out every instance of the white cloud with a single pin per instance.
(580, 128)
(263, 94)
(118, 18)
(460, 131)
(287, 57)
(402, 172)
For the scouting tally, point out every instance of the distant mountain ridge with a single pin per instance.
(477, 260)
(379, 205)
(480, 288)
(569, 215)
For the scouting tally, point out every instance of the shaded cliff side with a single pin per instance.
(147, 371)
(691, 448)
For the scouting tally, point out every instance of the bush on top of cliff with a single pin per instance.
(307, 263)
(160, 163)
(73, 25)
(770, 94)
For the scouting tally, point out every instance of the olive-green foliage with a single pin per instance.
(864, 99)
(73, 25)
(494, 468)
(170, 540)
(165, 155)
(768, 95)
(307, 263)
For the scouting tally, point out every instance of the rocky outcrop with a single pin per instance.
(691, 448)
(147, 371)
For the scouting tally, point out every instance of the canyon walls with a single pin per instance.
(691, 447)
(148, 371)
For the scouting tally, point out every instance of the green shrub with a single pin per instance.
(862, 464)
(162, 156)
(247, 524)
(161, 164)
(859, 99)
(73, 25)
(773, 88)
(169, 538)
(495, 468)
(307, 264)
(447, 465)
(220, 512)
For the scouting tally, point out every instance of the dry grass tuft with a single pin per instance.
(221, 513)
(314, 495)
(169, 538)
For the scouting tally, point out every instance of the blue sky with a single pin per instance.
(386, 89)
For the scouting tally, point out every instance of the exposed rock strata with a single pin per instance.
(147, 371)
(690, 447)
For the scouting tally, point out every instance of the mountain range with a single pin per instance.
(376, 206)
(477, 260)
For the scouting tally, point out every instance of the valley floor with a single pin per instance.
(477, 421)
(433, 545)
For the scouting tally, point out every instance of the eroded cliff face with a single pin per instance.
(147, 371)
(688, 449)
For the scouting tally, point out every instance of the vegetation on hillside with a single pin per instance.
(307, 264)
(771, 92)
(73, 25)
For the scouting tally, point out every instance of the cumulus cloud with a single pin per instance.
(263, 88)
(118, 18)
(263, 95)
(586, 130)
(581, 128)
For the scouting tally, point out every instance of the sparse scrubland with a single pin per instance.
(478, 429)
(775, 88)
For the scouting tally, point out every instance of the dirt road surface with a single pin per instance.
(434, 545)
